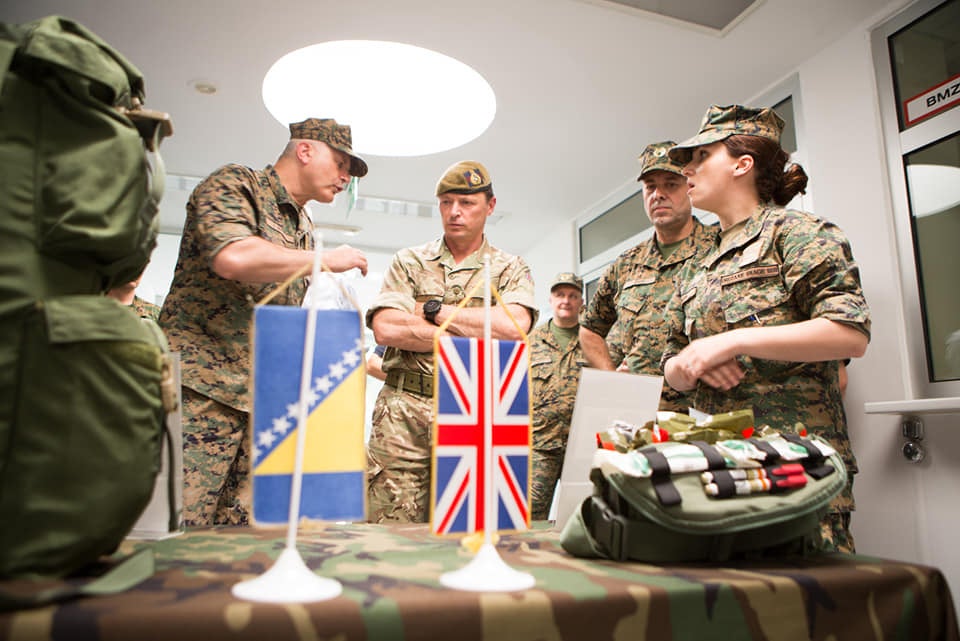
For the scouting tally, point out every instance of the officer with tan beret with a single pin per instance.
(421, 289)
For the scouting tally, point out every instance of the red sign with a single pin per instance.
(932, 101)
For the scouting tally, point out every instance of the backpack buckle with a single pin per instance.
(609, 529)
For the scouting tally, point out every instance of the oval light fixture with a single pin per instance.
(399, 99)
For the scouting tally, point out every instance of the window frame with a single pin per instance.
(898, 144)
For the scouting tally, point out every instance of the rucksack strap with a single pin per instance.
(667, 493)
(7, 50)
(131, 571)
(813, 452)
(173, 516)
(715, 460)
(771, 452)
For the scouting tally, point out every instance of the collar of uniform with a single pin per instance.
(687, 246)
(473, 261)
(279, 191)
(751, 229)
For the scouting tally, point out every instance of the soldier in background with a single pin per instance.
(375, 363)
(636, 287)
(421, 289)
(246, 231)
(126, 295)
(555, 363)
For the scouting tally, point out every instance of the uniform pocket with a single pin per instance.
(754, 294)
(541, 370)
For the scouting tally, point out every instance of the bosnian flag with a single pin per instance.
(463, 402)
(334, 460)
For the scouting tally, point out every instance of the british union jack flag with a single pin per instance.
(459, 462)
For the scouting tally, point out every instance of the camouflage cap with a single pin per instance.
(337, 136)
(465, 177)
(655, 157)
(719, 123)
(567, 278)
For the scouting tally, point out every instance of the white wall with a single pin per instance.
(554, 254)
(903, 509)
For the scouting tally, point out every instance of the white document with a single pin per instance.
(602, 398)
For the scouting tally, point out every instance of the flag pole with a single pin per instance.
(289, 580)
(490, 524)
(488, 572)
(306, 373)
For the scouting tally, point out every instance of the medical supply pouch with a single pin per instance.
(81, 377)
(693, 501)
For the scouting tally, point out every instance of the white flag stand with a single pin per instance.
(289, 580)
(487, 572)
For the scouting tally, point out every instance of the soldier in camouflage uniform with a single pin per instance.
(420, 291)
(766, 318)
(637, 286)
(126, 295)
(555, 363)
(246, 231)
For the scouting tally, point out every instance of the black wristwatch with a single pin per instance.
(431, 308)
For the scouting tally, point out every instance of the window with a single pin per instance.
(933, 183)
(625, 219)
(925, 60)
(917, 55)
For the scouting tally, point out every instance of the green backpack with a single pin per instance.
(82, 378)
(644, 509)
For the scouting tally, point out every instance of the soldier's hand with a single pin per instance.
(344, 258)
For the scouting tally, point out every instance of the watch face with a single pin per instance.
(432, 306)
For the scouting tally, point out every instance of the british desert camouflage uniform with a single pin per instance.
(779, 267)
(207, 319)
(555, 375)
(400, 446)
(631, 298)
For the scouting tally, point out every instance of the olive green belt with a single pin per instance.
(413, 382)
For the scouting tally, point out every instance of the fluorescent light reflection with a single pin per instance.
(933, 188)
(399, 100)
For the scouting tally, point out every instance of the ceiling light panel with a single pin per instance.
(394, 96)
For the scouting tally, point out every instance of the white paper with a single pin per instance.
(602, 397)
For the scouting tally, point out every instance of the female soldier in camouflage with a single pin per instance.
(766, 318)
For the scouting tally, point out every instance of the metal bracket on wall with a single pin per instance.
(912, 430)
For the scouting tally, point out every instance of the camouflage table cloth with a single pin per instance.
(391, 592)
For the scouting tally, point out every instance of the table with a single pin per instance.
(391, 592)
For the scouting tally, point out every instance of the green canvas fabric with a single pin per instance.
(81, 376)
(624, 518)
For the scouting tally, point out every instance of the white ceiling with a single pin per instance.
(582, 86)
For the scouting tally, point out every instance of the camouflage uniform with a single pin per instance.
(615, 344)
(555, 374)
(145, 309)
(778, 267)
(400, 448)
(207, 319)
(632, 295)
